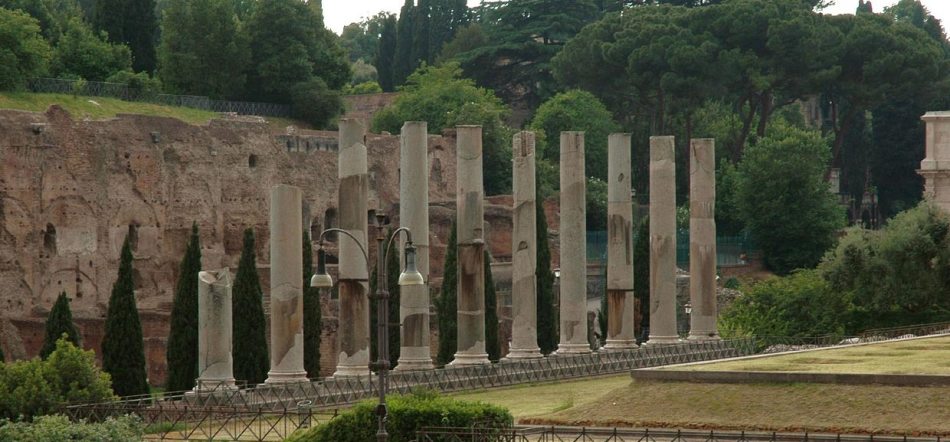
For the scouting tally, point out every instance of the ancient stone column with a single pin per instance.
(620, 299)
(414, 214)
(573, 316)
(524, 284)
(935, 167)
(286, 286)
(353, 334)
(662, 242)
(471, 247)
(702, 239)
(215, 364)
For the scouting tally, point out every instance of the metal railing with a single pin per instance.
(128, 93)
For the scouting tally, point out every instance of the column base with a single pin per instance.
(564, 349)
(703, 336)
(287, 378)
(349, 371)
(663, 340)
(620, 344)
(523, 353)
(414, 364)
(470, 359)
(210, 386)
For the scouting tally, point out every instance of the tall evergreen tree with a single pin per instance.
(181, 352)
(445, 19)
(403, 63)
(385, 51)
(392, 276)
(547, 314)
(311, 313)
(251, 360)
(447, 303)
(492, 345)
(59, 322)
(131, 22)
(123, 353)
(420, 34)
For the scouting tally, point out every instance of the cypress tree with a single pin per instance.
(311, 313)
(392, 275)
(547, 314)
(58, 323)
(181, 352)
(385, 52)
(251, 360)
(446, 304)
(403, 63)
(641, 274)
(123, 354)
(492, 346)
(131, 22)
(420, 34)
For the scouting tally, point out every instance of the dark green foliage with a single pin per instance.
(37, 387)
(251, 360)
(311, 313)
(123, 353)
(729, 220)
(447, 302)
(289, 45)
(58, 427)
(59, 324)
(407, 414)
(202, 50)
(361, 39)
(403, 64)
(24, 53)
(793, 228)
(312, 101)
(140, 84)
(446, 17)
(53, 15)
(392, 278)
(547, 314)
(492, 344)
(641, 272)
(385, 51)
(181, 352)
(133, 23)
(83, 54)
(420, 33)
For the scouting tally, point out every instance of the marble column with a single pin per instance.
(662, 241)
(471, 247)
(286, 286)
(620, 299)
(573, 302)
(353, 334)
(702, 240)
(215, 364)
(414, 214)
(524, 284)
(935, 167)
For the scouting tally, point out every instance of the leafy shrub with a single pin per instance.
(82, 53)
(140, 84)
(36, 387)
(58, 428)
(366, 87)
(407, 414)
(314, 102)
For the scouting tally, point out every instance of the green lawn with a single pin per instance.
(538, 399)
(917, 356)
(98, 108)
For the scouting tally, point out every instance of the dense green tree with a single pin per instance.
(788, 158)
(123, 353)
(59, 324)
(314, 102)
(403, 64)
(24, 53)
(363, 72)
(53, 15)
(133, 23)
(492, 344)
(392, 278)
(440, 96)
(546, 313)
(361, 39)
(312, 316)
(202, 49)
(446, 305)
(251, 359)
(466, 39)
(446, 17)
(81, 53)
(420, 33)
(181, 352)
(729, 220)
(288, 46)
(385, 51)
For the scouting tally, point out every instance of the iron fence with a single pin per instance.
(131, 93)
(730, 250)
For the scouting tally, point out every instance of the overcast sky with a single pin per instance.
(339, 13)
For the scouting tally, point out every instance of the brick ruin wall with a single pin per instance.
(70, 192)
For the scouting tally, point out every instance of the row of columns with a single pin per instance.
(353, 335)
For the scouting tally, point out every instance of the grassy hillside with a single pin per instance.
(102, 107)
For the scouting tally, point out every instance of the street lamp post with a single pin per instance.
(409, 276)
